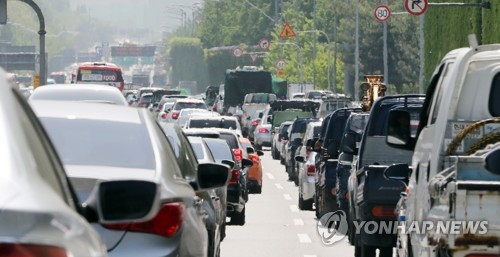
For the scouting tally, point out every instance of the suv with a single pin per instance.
(278, 138)
(225, 122)
(184, 104)
(297, 131)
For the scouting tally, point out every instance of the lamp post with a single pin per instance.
(328, 40)
(299, 60)
(183, 16)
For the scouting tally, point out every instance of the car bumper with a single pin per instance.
(255, 174)
(235, 201)
(308, 187)
(263, 139)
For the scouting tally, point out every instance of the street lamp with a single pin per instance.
(328, 40)
(299, 60)
(183, 16)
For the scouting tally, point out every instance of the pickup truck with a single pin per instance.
(452, 177)
(373, 197)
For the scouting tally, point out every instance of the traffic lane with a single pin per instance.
(274, 224)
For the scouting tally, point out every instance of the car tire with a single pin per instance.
(385, 252)
(238, 218)
(305, 205)
(211, 244)
(296, 180)
(282, 160)
(274, 153)
(223, 231)
(368, 251)
(258, 147)
(257, 189)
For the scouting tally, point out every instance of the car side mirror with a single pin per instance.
(261, 115)
(220, 97)
(399, 129)
(492, 162)
(398, 172)
(250, 150)
(300, 159)
(348, 144)
(228, 163)
(246, 163)
(122, 201)
(249, 118)
(269, 119)
(260, 153)
(212, 175)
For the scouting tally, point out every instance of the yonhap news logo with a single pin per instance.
(332, 227)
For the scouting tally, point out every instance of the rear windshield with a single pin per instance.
(183, 105)
(101, 143)
(213, 124)
(146, 98)
(220, 150)
(198, 150)
(231, 140)
(285, 128)
(99, 76)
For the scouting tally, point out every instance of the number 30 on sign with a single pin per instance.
(382, 13)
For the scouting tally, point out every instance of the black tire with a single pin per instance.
(211, 244)
(385, 252)
(368, 251)
(238, 218)
(258, 147)
(257, 189)
(357, 251)
(223, 231)
(316, 206)
(282, 160)
(274, 153)
(296, 180)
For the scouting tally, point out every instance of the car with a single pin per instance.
(297, 131)
(225, 122)
(255, 120)
(185, 104)
(79, 92)
(278, 140)
(297, 96)
(214, 203)
(40, 215)
(237, 190)
(145, 100)
(109, 142)
(254, 182)
(186, 114)
(163, 113)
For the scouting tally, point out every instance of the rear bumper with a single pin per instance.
(308, 187)
(235, 201)
(263, 139)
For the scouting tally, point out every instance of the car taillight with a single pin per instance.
(255, 123)
(234, 177)
(167, 222)
(263, 130)
(164, 116)
(311, 170)
(308, 152)
(279, 139)
(255, 159)
(384, 211)
(238, 154)
(30, 250)
(347, 196)
(175, 115)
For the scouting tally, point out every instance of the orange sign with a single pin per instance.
(287, 31)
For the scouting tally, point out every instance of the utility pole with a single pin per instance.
(385, 54)
(422, 60)
(356, 53)
(328, 48)
(297, 38)
(314, 49)
(334, 56)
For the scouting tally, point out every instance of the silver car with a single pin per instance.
(109, 142)
(80, 92)
(39, 214)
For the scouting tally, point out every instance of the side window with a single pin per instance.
(494, 103)
(47, 161)
(437, 97)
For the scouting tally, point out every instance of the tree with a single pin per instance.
(187, 61)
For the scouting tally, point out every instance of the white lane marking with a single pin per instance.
(294, 208)
(278, 186)
(304, 238)
(287, 197)
(269, 175)
(298, 222)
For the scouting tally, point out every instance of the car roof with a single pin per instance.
(183, 100)
(203, 132)
(92, 111)
(102, 92)
(213, 117)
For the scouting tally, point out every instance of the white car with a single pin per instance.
(226, 122)
(40, 215)
(187, 103)
(186, 114)
(80, 92)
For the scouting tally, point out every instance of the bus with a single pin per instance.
(100, 73)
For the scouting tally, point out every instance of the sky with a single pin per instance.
(154, 15)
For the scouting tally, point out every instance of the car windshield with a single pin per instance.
(146, 98)
(101, 143)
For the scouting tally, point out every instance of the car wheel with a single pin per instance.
(296, 180)
(357, 251)
(282, 160)
(211, 244)
(223, 231)
(275, 153)
(368, 251)
(258, 189)
(238, 218)
(385, 252)
(258, 147)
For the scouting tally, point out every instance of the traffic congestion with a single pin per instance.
(181, 147)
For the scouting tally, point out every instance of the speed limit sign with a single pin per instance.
(382, 13)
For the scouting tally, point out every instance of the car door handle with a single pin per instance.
(215, 198)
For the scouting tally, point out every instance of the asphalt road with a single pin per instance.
(275, 226)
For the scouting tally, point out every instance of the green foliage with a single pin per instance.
(446, 28)
(187, 61)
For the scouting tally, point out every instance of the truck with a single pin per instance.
(299, 88)
(254, 102)
(373, 197)
(242, 81)
(452, 177)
